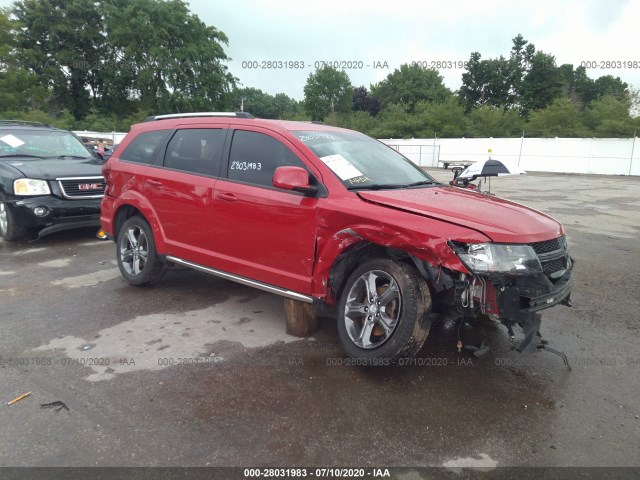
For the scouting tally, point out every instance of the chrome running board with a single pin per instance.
(244, 281)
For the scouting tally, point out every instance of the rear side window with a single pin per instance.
(196, 150)
(255, 156)
(143, 148)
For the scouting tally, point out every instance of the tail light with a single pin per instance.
(106, 173)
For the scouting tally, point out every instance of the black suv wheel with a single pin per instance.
(9, 230)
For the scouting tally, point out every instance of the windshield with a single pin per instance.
(362, 162)
(40, 144)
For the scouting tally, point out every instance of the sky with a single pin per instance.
(375, 37)
(399, 31)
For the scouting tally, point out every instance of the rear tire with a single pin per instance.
(9, 230)
(383, 314)
(136, 253)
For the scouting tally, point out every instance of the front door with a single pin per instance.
(262, 232)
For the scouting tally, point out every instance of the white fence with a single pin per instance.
(608, 156)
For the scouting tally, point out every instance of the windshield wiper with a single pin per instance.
(422, 182)
(375, 186)
(70, 156)
(20, 155)
(380, 186)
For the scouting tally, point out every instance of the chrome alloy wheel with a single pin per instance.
(3, 218)
(372, 309)
(134, 250)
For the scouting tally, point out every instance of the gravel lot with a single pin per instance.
(198, 371)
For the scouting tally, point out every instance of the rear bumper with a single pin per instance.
(59, 214)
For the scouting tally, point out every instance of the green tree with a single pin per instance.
(562, 118)
(362, 122)
(542, 83)
(611, 86)
(441, 119)
(490, 121)
(409, 85)
(62, 42)
(252, 100)
(609, 117)
(519, 64)
(165, 58)
(285, 107)
(327, 90)
(486, 82)
(395, 121)
(19, 88)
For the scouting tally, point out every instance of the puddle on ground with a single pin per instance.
(88, 279)
(158, 341)
(58, 263)
(482, 462)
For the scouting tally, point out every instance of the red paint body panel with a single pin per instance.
(289, 240)
(266, 235)
(501, 220)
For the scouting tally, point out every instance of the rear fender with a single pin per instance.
(133, 199)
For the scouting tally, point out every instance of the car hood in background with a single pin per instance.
(52, 168)
(501, 220)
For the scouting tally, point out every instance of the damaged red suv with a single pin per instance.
(326, 215)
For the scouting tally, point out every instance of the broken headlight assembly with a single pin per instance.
(491, 258)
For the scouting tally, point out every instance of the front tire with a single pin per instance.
(136, 253)
(9, 229)
(383, 314)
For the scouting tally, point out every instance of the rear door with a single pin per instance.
(181, 190)
(262, 232)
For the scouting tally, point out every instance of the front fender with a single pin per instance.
(432, 249)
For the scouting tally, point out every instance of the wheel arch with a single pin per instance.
(341, 254)
(130, 206)
(350, 259)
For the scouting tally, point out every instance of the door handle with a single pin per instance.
(154, 183)
(228, 197)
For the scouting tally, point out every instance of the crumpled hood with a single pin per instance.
(52, 168)
(501, 220)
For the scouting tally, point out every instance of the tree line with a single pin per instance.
(103, 65)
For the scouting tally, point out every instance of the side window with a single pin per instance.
(196, 150)
(142, 149)
(255, 156)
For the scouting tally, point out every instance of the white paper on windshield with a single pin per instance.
(341, 166)
(12, 141)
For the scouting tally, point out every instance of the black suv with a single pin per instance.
(49, 181)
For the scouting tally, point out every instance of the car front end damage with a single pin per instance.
(511, 284)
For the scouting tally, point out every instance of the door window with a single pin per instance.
(142, 149)
(255, 156)
(196, 150)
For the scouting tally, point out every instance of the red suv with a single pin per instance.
(322, 214)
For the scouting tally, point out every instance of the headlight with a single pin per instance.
(29, 186)
(498, 258)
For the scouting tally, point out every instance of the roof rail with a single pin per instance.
(199, 114)
(24, 123)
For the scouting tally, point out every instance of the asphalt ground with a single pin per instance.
(198, 371)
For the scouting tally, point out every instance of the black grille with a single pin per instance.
(554, 266)
(548, 245)
(553, 256)
(90, 187)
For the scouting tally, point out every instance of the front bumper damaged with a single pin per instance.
(519, 301)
